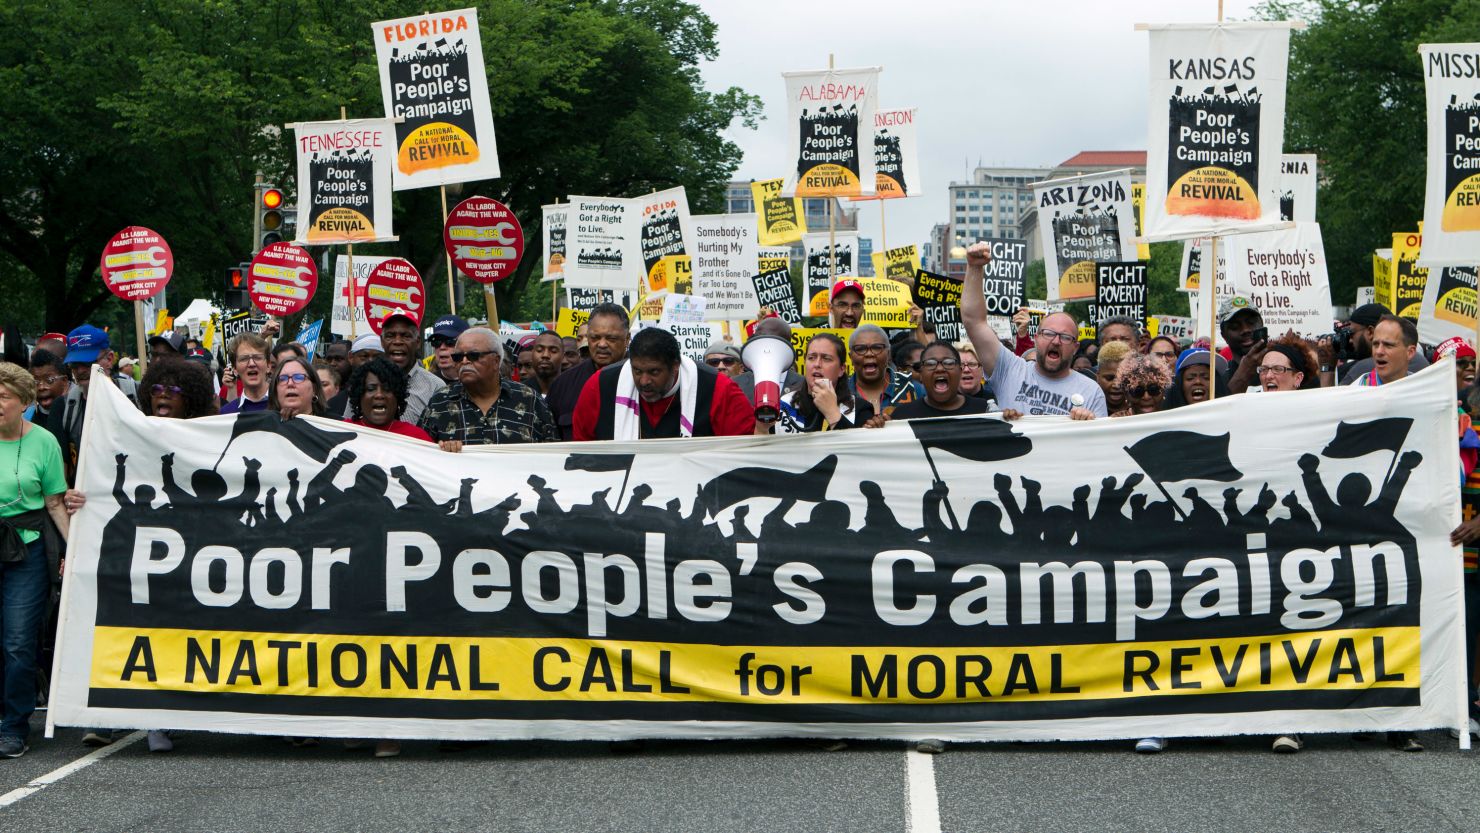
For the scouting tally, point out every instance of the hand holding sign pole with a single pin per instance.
(136, 264)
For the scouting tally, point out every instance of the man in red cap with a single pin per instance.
(1464, 361)
(54, 343)
(847, 304)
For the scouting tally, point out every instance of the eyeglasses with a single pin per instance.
(867, 349)
(52, 380)
(471, 355)
(442, 341)
(251, 358)
(1145, 390)
(161, 390)
(1051, 335)
(931, 364)
(849, 306)
(720, 361)
(970, 366)
(1268, 369)
(296, 378)
(1465, 362)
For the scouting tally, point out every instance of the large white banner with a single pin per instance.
(1083, 220)
(344, 181)
(432, 78)
(896, 155)
(1298, 187)
(1451, 204)
(1184, 573)
(1217, 126)
(830, 117)
(604, 243)
(1284, 274)
(554, 231)
(666, 229)
(724, 259)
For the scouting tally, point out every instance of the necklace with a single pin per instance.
(15, 474)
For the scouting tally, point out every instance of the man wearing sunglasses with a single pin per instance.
(1045, 385)
(724, 357)
(444, 337)
(482, 407)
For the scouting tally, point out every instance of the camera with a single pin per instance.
(1341, 343)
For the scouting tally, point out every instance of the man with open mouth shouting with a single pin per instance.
(1044, 385)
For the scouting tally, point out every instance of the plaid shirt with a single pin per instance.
(518, 415)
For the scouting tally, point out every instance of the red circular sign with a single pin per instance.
(484, 238)
(282, 279)
(393, 288)
(137, 263)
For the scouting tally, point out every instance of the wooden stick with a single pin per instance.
(138, 331)
(354, 304)
(451, 270)
(1210, 287)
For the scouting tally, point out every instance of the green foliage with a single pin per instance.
(159, 114)
(1356, 100)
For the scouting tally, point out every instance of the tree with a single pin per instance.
(1356, 100)
(160, 114)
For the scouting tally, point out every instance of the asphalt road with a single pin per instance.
(223, 783)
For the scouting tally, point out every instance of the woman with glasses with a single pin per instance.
(724, 357)
(179, 389)
(296, 390)
(1142, 382)
(940, 371)
(1289, 364)
(377, 398)
(1163, 348)
(973, 385)
(822, 401)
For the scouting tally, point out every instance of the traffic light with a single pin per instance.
(269, 216)
(236, 286)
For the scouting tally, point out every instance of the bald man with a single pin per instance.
(1043, 385)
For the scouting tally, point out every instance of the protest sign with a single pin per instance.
(802, 336)
(1298, 187)
(136, 263)
(1138, 202)
(1448, 309)
(939, 299)
(1174, 326)
(1284, 274)
(673, 272)
(309, 338)
(724, 260)
(432, 78)
(281, 279)
(832, 141)
(341, 313)
(769, 259)
(484, 239)
(781, 219)
(693, 337)
(1190, 279)
(568, 322)
(1038, 308)
(1408, 276)
(683, 309)
(554, 224)
(586, 299)
(1382, 277)
(1451, 204)
(384, 615)
(514, 340)
(1083, 220)
(1003, 277)
(237, 323)
(774, 291)
(886, 303)
(897, 264)
(1366, 295)
(344, 181)
(393, 288)
(896, 155)
(1120, 290)
(650, 307)
(1217, 128)
(824, 266)
(666, 229)
(604, 242)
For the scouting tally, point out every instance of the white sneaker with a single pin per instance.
(1150, 746)
(1287, 744)
(387, 748)
(1474, 730)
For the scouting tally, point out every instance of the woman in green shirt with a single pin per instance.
(32, 485)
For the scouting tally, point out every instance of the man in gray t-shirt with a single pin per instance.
(1045, 385)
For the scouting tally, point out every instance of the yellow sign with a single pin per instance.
(570, 321)
(1138, 202)
(800, 336)
(1408, 278)
(781, 219)
(1382, 277)
(162, 323)
(886, 303)
(898, 263)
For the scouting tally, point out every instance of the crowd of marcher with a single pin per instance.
(464, 387)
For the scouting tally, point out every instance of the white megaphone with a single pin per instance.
(768, 357)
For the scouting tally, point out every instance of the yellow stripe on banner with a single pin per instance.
(516, 668)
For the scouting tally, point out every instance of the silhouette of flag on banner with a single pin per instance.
(1170, 456)
(982, 440)
(599, 462)
(743, 484)
(312, 441)
(1353, 439)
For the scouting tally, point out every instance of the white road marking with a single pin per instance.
(68, 769)
(920, 799)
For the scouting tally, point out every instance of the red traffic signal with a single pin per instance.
(272, 198)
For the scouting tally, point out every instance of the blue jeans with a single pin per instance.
(23, 596)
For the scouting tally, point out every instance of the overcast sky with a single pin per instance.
(996, 82)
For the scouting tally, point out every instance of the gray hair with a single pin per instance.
(867, 328)
(491, 338)
(1121, 320)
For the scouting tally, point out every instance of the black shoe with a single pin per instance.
(1404, 742)
(12, 747)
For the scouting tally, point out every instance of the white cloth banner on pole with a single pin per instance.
(344, 181)
(554, 230)
(1298, 187)
(1451, 203)
(724, 259)
(432, 79)
(341, 312)
(1217, 128)
(1448, 308)
(1083, 220)
(830, 118)
(1283, 273)
(604, 243)
(896, 155)
(666, 228)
